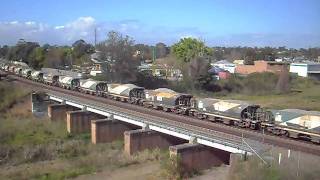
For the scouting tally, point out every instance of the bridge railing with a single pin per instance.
(186, 131)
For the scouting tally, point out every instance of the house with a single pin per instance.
(262, 66)
(225, 65)
(219, 73)
(306, 69)
(99, 65)
(161, 69)
(238, 62)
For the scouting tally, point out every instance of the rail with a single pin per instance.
(203, 136)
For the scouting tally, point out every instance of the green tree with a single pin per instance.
(55, 57)
(250, 56)
(145, 51)
(188, 49)
(80, 52)
(37, 58)
(193, 56)
(118, 50)
(4, 51)
(161, 50)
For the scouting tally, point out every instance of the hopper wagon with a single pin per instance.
(89, 86)
(37, 76)
(168, 100)
(18, 71)
(239, 113)
(296, 123)
(51, 79)
(68, 82)
(126, 92)
(26, 73)
(12, 68)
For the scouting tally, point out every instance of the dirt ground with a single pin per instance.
(134, 172)
(150, 171)
(215, 173)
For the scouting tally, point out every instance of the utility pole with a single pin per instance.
(95, 37)
(153, 61)
(153, 54)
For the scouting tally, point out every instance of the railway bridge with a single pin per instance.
(198, 142)
(198, 147)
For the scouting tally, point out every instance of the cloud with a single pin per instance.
(83, 28)
(11, 32)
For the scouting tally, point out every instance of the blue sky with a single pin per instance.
(291, 23)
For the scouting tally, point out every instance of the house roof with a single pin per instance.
(215, 69)
(306, 62)
(223, 62)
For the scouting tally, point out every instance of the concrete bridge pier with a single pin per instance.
(80, 121)
(57, 112)
(39, 103)
(142, 139)
(108, 130)
(198, 157)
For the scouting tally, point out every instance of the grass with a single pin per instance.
(297, 166)
(34, 143)
(9, 95)
(33, 148)
(253, 169)
(30, 144)
(304, 93)
(307, 98)
(37, 148)
(262, 89)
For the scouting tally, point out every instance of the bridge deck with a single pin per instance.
(208, 137)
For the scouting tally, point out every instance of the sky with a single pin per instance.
(290, 23)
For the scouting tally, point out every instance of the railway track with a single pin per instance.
(269, 139)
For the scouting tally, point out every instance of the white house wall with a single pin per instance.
(299, 68)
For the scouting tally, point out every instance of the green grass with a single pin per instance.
(30, 131)
(307, 98)
(297, 166)
(37, 148)
(64, 174)
(32, 142)
(304, 93)
(9, 95)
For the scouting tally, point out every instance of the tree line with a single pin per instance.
(53, 56)
(123, 56)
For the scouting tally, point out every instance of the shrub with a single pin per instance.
(72, 148)
(260, 83)
(252, 169)
(302, 83)
(38, 153)
(148, 81)
(253, 84)
(9, 95)
(172, 168)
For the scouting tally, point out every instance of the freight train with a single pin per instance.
(302, 125)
